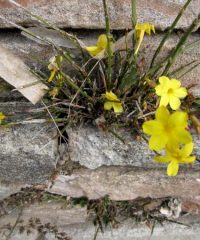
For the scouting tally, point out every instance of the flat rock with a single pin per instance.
(93, 148)
(89, 14)
(125, 183)
(6, 189)
(28, 149)
(74, 223)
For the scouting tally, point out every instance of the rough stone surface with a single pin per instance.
(122, 183)
(7, 189)
(93, 148)
(76, 225)
(89, 14)
(28, 151)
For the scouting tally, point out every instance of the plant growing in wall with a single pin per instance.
(111, 85)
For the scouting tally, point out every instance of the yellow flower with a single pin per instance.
(175, 156)
(167, 128)
(98, 50)
(2, 117)
(141, 29)
(170, 91)
(113, 102)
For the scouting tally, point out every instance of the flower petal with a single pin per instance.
(141, 36)
(164, 80)
(108, 105)
(180, 92)
(111, 96)
(178, 119)
(184, 136)
(160, 90)
(172, 168)
(162, 159)
(157, 142)
(102, 41)
(174, 102)
(162, 114)
(164, 100)
(188, 160)
(175, 83)
(118, 108)
(152, 127)
(187, 149)
(93, 50)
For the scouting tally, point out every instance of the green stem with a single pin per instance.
(72, 38)
(180, 44)
(133, 19)
(109, 49)
(169, 32)
(133, 13)
(73, 85)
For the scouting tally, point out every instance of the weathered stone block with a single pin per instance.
(76, 224)
(93, 148)
(89, 14)
(7, 189)
(28, 150)
(122, 183)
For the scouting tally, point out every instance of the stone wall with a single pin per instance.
(94, 164)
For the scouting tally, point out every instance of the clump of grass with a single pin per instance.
(109, 85)
(78, 96)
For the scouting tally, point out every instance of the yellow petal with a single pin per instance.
(108, 105)
(111, 96)
(117, 107)
(157, 142)
(102, 41)
(174, 102)
(164, 80)
(160, 90)
(162, 114)
(2, 116)
(178, 119)
(183, 136)
(164, 100)
(152, 127)
(187, 149)
(175, 83)
(188, 160)
(161, 159)
(93, 50)
(172, 168)
(153, 28)
(141, 36)
(180, 92)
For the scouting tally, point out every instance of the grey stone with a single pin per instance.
(74, 222)
(93, 148)
(6, 189)
(28, 150)
(122, 183)
(89, 14)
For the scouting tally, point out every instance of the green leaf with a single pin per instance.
(129, 80)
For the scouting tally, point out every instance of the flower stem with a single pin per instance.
(109, 49)
(180, 44)
(133, 13)
(73, 85)
(169, 32)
